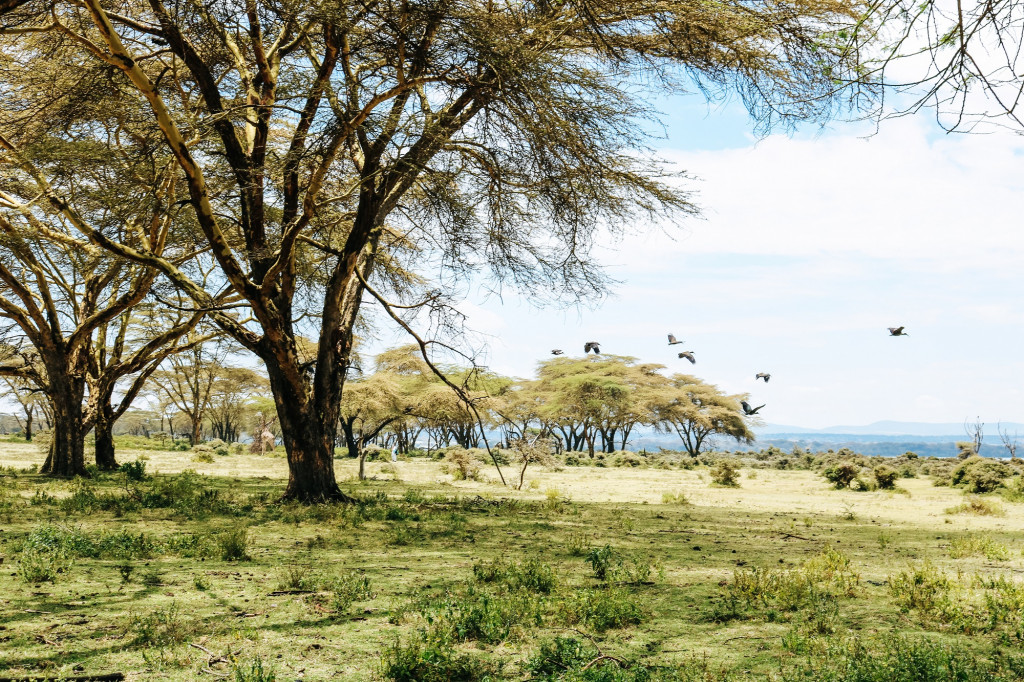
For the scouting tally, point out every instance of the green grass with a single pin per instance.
(163, 575)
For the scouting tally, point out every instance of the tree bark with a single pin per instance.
(28, 422)
(103, 428)
(67, 447)
(309, 442)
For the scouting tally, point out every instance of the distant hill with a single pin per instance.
(953, 430)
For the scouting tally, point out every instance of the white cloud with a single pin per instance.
(903, 193)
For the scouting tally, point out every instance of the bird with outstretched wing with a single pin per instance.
(748, 410)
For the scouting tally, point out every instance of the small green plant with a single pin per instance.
(160, 627)
(234, 544)
(532, 575)
(577, 543)
(347, 588)
(253, 672)
(126, 570)
(600, 560)
(203, 457)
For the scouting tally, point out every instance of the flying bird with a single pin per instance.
(748, 410)
(688, 354)
(557, 351)
(672, 340)
(763, 375)
(591, 346)
(897, 331)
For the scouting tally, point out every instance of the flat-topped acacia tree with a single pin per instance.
(314, 137)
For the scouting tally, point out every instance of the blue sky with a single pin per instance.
(809, 248)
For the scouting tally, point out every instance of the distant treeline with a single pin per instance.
(879, 448)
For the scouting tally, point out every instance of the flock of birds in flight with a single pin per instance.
(688, 355)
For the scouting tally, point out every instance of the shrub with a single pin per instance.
(203, 456)
(978, 506)
(675, 498)
(726, 474)
(160, 627)
(842, 474)
(347, 588)
(234, 544)
(918, 588)
(602, 609)
(577, 543)
(466, 465)
(885, 477)
(980, 475)
(134, 471)
(532, 575)
(426, 662)
(600, 560)
(39, 563)
(253, 672)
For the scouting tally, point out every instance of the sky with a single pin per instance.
(809, 247)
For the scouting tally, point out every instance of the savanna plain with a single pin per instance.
(628, 567)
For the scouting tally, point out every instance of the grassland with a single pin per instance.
(196, 571)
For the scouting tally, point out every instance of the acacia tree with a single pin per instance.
(28, 397)
(231, 397)
(313, 137)
(695, 410)
(188, 379)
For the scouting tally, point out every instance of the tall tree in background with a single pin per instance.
(187, 379)
(313, 138)
(28, 398)
(695, 410)
(231, 400)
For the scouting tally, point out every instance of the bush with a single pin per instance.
(885, 477)
(466, 465)
(978, 506)
(234, 544)
(980, 474)
(253, 672)
(602, 609)
(203, 456)
(532, 575)
(426, 662)
(726, 474)
(134, 471)
(42, 559)
(842, 474)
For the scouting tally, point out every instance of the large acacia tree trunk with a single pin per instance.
(309, 442)
(67, 446)
(103, 428)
